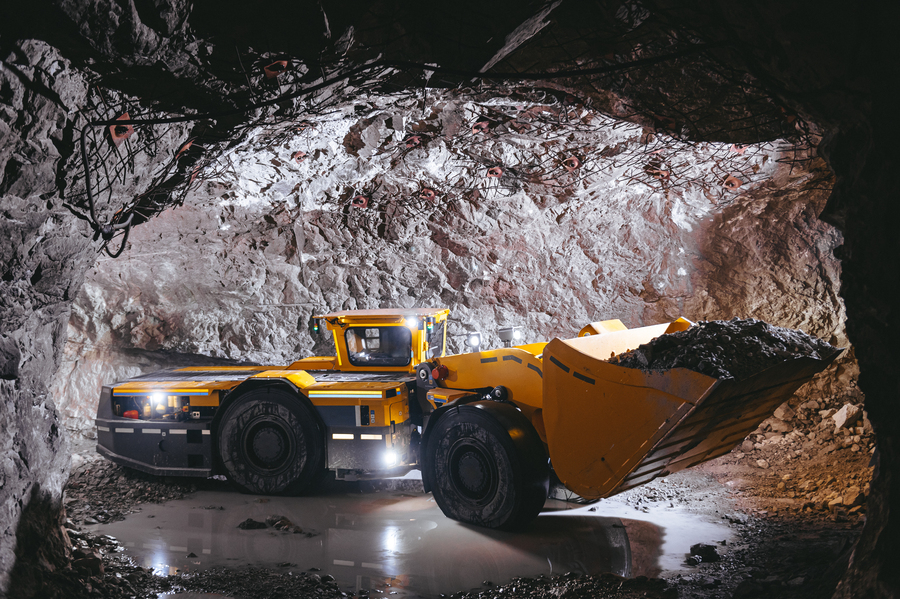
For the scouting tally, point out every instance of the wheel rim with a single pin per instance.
(473, 472)
(268, 445)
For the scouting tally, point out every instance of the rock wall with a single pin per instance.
(239, 270)
(46, 246)
(769, 256)
(44, 252)
(865, 204)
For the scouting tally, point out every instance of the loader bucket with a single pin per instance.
(611, 428)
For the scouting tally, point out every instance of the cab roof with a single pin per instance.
(385, 313)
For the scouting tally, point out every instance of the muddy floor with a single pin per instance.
(730, 528)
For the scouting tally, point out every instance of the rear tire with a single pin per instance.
(480, 476)
(269, 443)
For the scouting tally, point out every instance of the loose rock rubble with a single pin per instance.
(101, 492)
(572, 585)
(98, 569)
(259, 583)
(702, 552)
(801, 481)
(725, 349)
(278, 523)
(772, 558)
(812, 457)
(835, 485)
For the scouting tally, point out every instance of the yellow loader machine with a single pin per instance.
(485, 428)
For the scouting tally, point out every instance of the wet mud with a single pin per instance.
(390, 538)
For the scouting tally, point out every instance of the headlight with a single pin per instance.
(390, 458)
(473, 340)
(509, 334)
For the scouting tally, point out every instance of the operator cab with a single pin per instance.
(387, 340)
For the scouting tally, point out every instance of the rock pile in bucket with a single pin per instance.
(725, 349)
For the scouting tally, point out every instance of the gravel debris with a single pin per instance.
(251, 524)
(102, 492)
(725, 349)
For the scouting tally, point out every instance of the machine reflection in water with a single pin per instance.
(396, 542)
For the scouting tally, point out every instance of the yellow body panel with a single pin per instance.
(315, 363)
(440, 396)
(206, 393)
(201, 393)
(209, 401)
(387, 399)
(606, 326)
(224, 369)
(602, 419)
(301, 378)
(384, 314)
(372, 394)
(372, 388)
(610, 428)
(171, 387)
(535, 349)
(518, 370)
(605, 345)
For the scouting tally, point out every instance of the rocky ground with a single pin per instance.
(101, 492)
(793, 493)
(800, 483)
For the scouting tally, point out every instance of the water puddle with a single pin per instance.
(661, 537)
(400, 542)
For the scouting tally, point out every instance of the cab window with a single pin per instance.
(379, 346)
(436, 340)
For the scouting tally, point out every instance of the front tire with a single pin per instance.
(479, 475)
(269, 443)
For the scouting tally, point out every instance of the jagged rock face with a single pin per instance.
(771, 257)
(241, 268)
(44, 252)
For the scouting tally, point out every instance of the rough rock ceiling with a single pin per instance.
(294, 62)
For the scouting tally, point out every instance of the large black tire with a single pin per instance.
(479, 475)
(269, 443)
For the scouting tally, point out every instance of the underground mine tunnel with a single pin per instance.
(189, 184)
